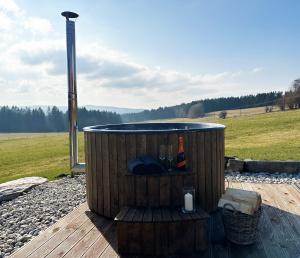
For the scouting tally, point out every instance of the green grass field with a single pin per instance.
(34, 155)
(271, 136)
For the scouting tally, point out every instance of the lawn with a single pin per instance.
(271, 136)
(34, 155)
(268, 136)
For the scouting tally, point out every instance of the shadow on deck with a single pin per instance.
(84, 234)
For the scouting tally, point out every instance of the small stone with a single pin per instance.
(25, 238)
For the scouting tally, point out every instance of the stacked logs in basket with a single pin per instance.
(241, 213)
(247, 202)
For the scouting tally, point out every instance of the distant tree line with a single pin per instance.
(15, 119)
(198, 108)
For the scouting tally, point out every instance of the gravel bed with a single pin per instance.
(24, 217)
(274, 178)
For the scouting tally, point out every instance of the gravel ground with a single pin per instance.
(25, 216)
(274, 178)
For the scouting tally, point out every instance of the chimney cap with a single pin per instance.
(69, 15)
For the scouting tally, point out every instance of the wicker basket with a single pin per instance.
(240, 228)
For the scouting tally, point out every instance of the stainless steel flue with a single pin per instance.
(72, 93)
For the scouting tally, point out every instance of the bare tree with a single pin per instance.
(293, 95)
(223, 114)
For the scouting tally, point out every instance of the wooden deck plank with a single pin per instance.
(294, 210)
(270, 235)
(82, 246)
(111, 249)
(100, 244)
(50, 232)
(291, 198)
(255, 250)
(73, 239)
(57, 239)
(79, 234)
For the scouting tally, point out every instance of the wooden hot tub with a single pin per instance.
(108, 148)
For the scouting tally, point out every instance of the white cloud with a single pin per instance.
(38, 25)
(258, 69)
(9, 5)
(5, 22)
(105, 77)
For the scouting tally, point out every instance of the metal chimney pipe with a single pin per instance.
(72, 93)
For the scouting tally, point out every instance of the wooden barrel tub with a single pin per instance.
(108, 149)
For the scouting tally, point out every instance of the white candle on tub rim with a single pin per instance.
(188, 202)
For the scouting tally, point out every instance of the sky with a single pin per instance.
(146, 54)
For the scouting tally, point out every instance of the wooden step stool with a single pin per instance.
(160, 231)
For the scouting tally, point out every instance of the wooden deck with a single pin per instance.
(83, 234)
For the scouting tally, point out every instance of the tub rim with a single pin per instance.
(197, 126)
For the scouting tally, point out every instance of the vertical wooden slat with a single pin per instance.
(94, 191)
(175, 230)
(141, 190)
(208, 170)
(122, 170)
(189, 179)
(162, 139)
(106, 181)
(187, 150)
(201, 170)
(188, 236)
(161, 239)
(217, 180)
(148, 236)
(135, 241)
(193, 156)
(173, 140)
(214, 182)
(113, 162)
(88, 168)
(99, 173)
(153, 183)
(201, 235)
(148, 239)
(123, 237)
(176, 190)
(130, 144)
(176, 181)
(153, 191)
(141, 145)
(151, 145)
(219, 165)
(141, 181)
(165, 191)
(222, 141)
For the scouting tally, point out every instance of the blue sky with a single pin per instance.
(147, 54)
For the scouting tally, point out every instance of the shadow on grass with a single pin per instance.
(61, 176)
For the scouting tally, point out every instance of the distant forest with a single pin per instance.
(14, 119)
(207, 105)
